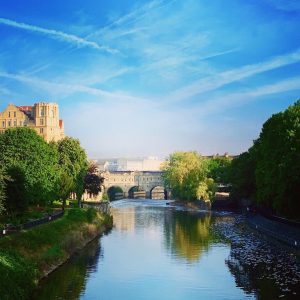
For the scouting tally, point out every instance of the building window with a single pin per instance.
(42, 111)
(41, 130)
(41, 121)
(9, 123)
(9, 114)
(3, 124)
(15, 114)
(15, 123)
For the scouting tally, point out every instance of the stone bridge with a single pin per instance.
(134, 184)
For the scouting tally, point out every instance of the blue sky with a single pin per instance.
(138, 78)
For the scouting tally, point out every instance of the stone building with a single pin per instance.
(42, 117)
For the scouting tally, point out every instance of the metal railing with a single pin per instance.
(13, 229)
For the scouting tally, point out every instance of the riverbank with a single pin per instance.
(196, 205)
(282, 232)
(254, 253)
(279, 231)
(30, 255)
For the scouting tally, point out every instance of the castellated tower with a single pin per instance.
(42, 117)
(47, 123)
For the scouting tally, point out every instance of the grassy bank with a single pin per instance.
(27, 256)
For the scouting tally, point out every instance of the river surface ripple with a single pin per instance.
(157, 251)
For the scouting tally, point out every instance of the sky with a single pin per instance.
(140, 78)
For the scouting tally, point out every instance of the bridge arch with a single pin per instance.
(158, 192)
(136, 192)
(115, 192)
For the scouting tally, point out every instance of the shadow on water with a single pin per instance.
(68, 281)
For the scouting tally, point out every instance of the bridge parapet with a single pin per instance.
(145, 181)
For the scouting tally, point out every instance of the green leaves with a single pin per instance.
(186, 174)
(40, 172)
(270, 170)
(22, 148)
(73, 162)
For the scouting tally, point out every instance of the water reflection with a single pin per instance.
(69, 280)
(187, 234)
(154, 252)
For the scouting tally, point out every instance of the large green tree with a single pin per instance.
(73, 162)
(269, 172)
(24, 150)
(184, 173)
(278, 162)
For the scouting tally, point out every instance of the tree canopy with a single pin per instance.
(2, 188)
(186, 174)
(219, 168)
(23, 149)
(73, 162)
(92, 180)
(278, 162)
(269, 171)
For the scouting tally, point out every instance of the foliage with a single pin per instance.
(92, 180)
(183, 173)
(207, 189)
(66, 185)
(219, 168)
(278, 162)
(91, 214)
(22, 148)
(3, 178)
(25, 256)
(15, 190)
(242, 176)
(269, 170)
(73, 161)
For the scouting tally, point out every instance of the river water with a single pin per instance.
(157, 251)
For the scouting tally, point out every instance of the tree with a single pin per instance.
(269, 171)
(66, 185)
(242, 176)
(207, 189)
(218, 168)
(15, 203)
(278, 162)
(92, 180)
(183, 173)
(73, 161)
(3, 178)
(23, 150)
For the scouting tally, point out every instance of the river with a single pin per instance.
(157, 251)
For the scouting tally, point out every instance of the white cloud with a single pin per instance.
(63, 89)
(227, 101)
(218, 80)
(58, 35)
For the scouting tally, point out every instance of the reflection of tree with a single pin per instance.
(69, 280)
(187, 234)
(246, 279)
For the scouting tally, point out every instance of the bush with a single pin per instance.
(91, 214)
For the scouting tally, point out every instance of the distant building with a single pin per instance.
(130, 164)
(42, 117)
